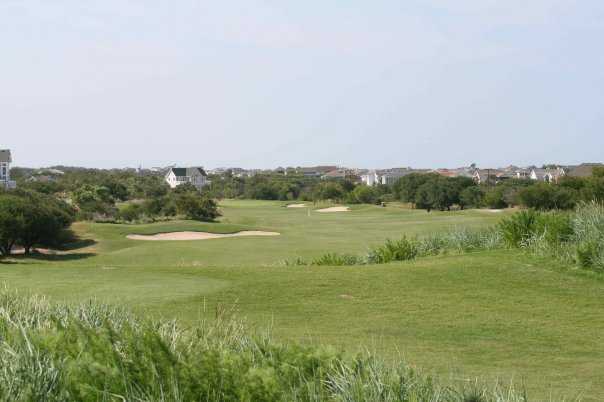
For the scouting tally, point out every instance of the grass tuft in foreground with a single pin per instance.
(89, 352)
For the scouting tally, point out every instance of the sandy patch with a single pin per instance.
(296, 206)
(334, 209)
(493, 210)
(34, 250)
(175, 236)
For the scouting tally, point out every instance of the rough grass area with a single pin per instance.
(94, 352)
(496, 315)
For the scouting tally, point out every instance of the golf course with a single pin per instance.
(500, 315)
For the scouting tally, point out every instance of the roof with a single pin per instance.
(541, 173)
(584, 170)
(184, 172)
(336, 173)
(317, 169)
(5, 155)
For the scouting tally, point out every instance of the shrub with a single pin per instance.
(364, 195)
(589, 255)
(130, 212)
(555, 227)
(545, 196)
(471, 196)
(518, 227)
(495, 198)
(197, 207)
(588, 235)
(334, 259)
(297, 261)
(399, 250)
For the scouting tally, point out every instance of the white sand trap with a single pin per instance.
(296, 206)
(493, 210)
(334, 209)
(175, 236)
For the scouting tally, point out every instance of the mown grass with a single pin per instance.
(491, 314)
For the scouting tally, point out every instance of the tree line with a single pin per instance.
(127, 195)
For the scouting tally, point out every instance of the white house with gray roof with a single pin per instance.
(547, 175)
(194, 175)
(5, 161)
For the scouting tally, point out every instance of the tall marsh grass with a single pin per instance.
(93, 352)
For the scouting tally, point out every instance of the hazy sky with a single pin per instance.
(425, 83)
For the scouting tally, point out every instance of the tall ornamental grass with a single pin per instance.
(588, 235)
(93, 352)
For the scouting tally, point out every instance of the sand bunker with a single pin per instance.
(334, 209)
(199, 235)
(296, 206)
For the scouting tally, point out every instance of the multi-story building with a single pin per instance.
(5, 161)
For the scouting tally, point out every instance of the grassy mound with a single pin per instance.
(95, 352)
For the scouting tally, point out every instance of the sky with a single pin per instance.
(383, 83)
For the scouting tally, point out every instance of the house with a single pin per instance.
(315, 171)
(371, 178)
(388, 176)
(5, 161)
(492, 176)
(194, 175)
(342, 174)
(547, 175)
(391, 176)
(522, 173)
(457, 172)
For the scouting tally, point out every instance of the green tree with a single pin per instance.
(11, 221)
(471, 197)
(406, 188)
(197, 207)
(329, 191)
(494, 197)
(364, 195)
(546, 196)
(598, 171)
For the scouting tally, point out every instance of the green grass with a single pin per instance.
(493, 315)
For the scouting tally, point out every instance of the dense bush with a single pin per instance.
(364, 195)
(94, 352)
(197, 207)
(494, 197)
(432, 191)
(471, 196)
(399, 250)
(131, 212)
(519, 227)
(546, 196)
(29, 219)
